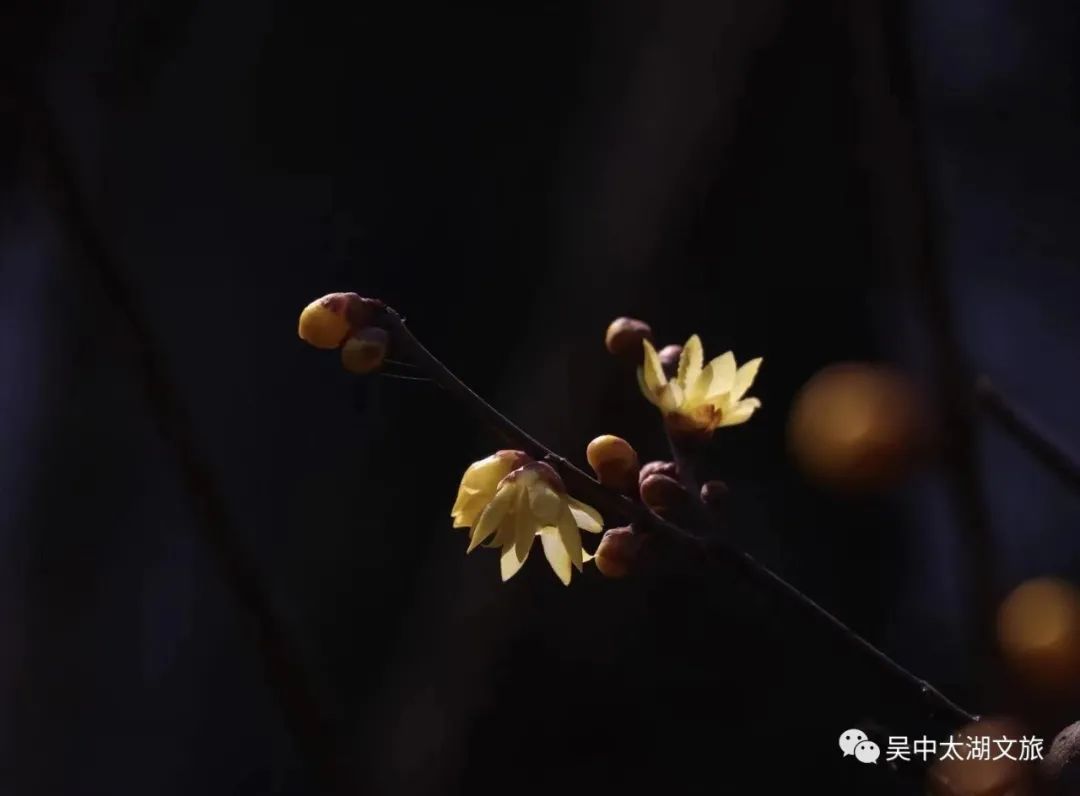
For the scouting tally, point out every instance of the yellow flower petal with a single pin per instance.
(555, 552)
(744, 378)
(586, 517)
(697, 390)
(469, 510)
(654, 372)
(671, 397)
(570, 536)
(544, 502)
(690, 362)
(492, 516)
(509, 563)
(525, 525)
(464, 493)
(723, 375)
(505, 535)
(741, 412)
(477, 488)
(645, 387)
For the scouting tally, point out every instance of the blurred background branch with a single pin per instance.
(910, 245)
(283, 661)
(1042, 444)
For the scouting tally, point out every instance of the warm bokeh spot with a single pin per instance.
(858, 427)
(1039, 635)
(965, 774)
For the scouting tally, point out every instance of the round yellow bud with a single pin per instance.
(618, 552)
(365, 351)
(614, 461)
(324, 323)
(624, 338)
(858, 427)
(973, 775)
(1038, 628)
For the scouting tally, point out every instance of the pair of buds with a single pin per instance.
(345, 321)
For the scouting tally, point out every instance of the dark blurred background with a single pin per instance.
(511, 177)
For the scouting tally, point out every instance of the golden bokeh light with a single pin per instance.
(1038, 627)
(966, 772)
(858, 427)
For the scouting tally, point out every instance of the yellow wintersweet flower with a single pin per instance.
(480, 482)
(527, 502)
(699, 398)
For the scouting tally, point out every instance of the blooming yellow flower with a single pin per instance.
(699, 398)
(480, 482)
(513, 508)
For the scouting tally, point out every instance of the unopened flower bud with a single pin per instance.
(365, 351)
(362, 311)
(663, 494)
(669, 359)
(1060, 769)
(624, 338)
(659, 467)
(714, 494)
(614, 461)
(619, 552)
(325, 323)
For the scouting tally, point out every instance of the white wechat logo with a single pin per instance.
(867, 752)
(851, 739)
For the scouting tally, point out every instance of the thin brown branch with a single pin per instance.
(1028, 432)
(611, 503)
(281, 658)
(685, 465)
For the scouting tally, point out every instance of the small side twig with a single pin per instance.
(611, 503)
(1025, 430)
(684, 463)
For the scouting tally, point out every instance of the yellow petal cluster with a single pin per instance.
(480, 482)
(700, 397)
(509, 499)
